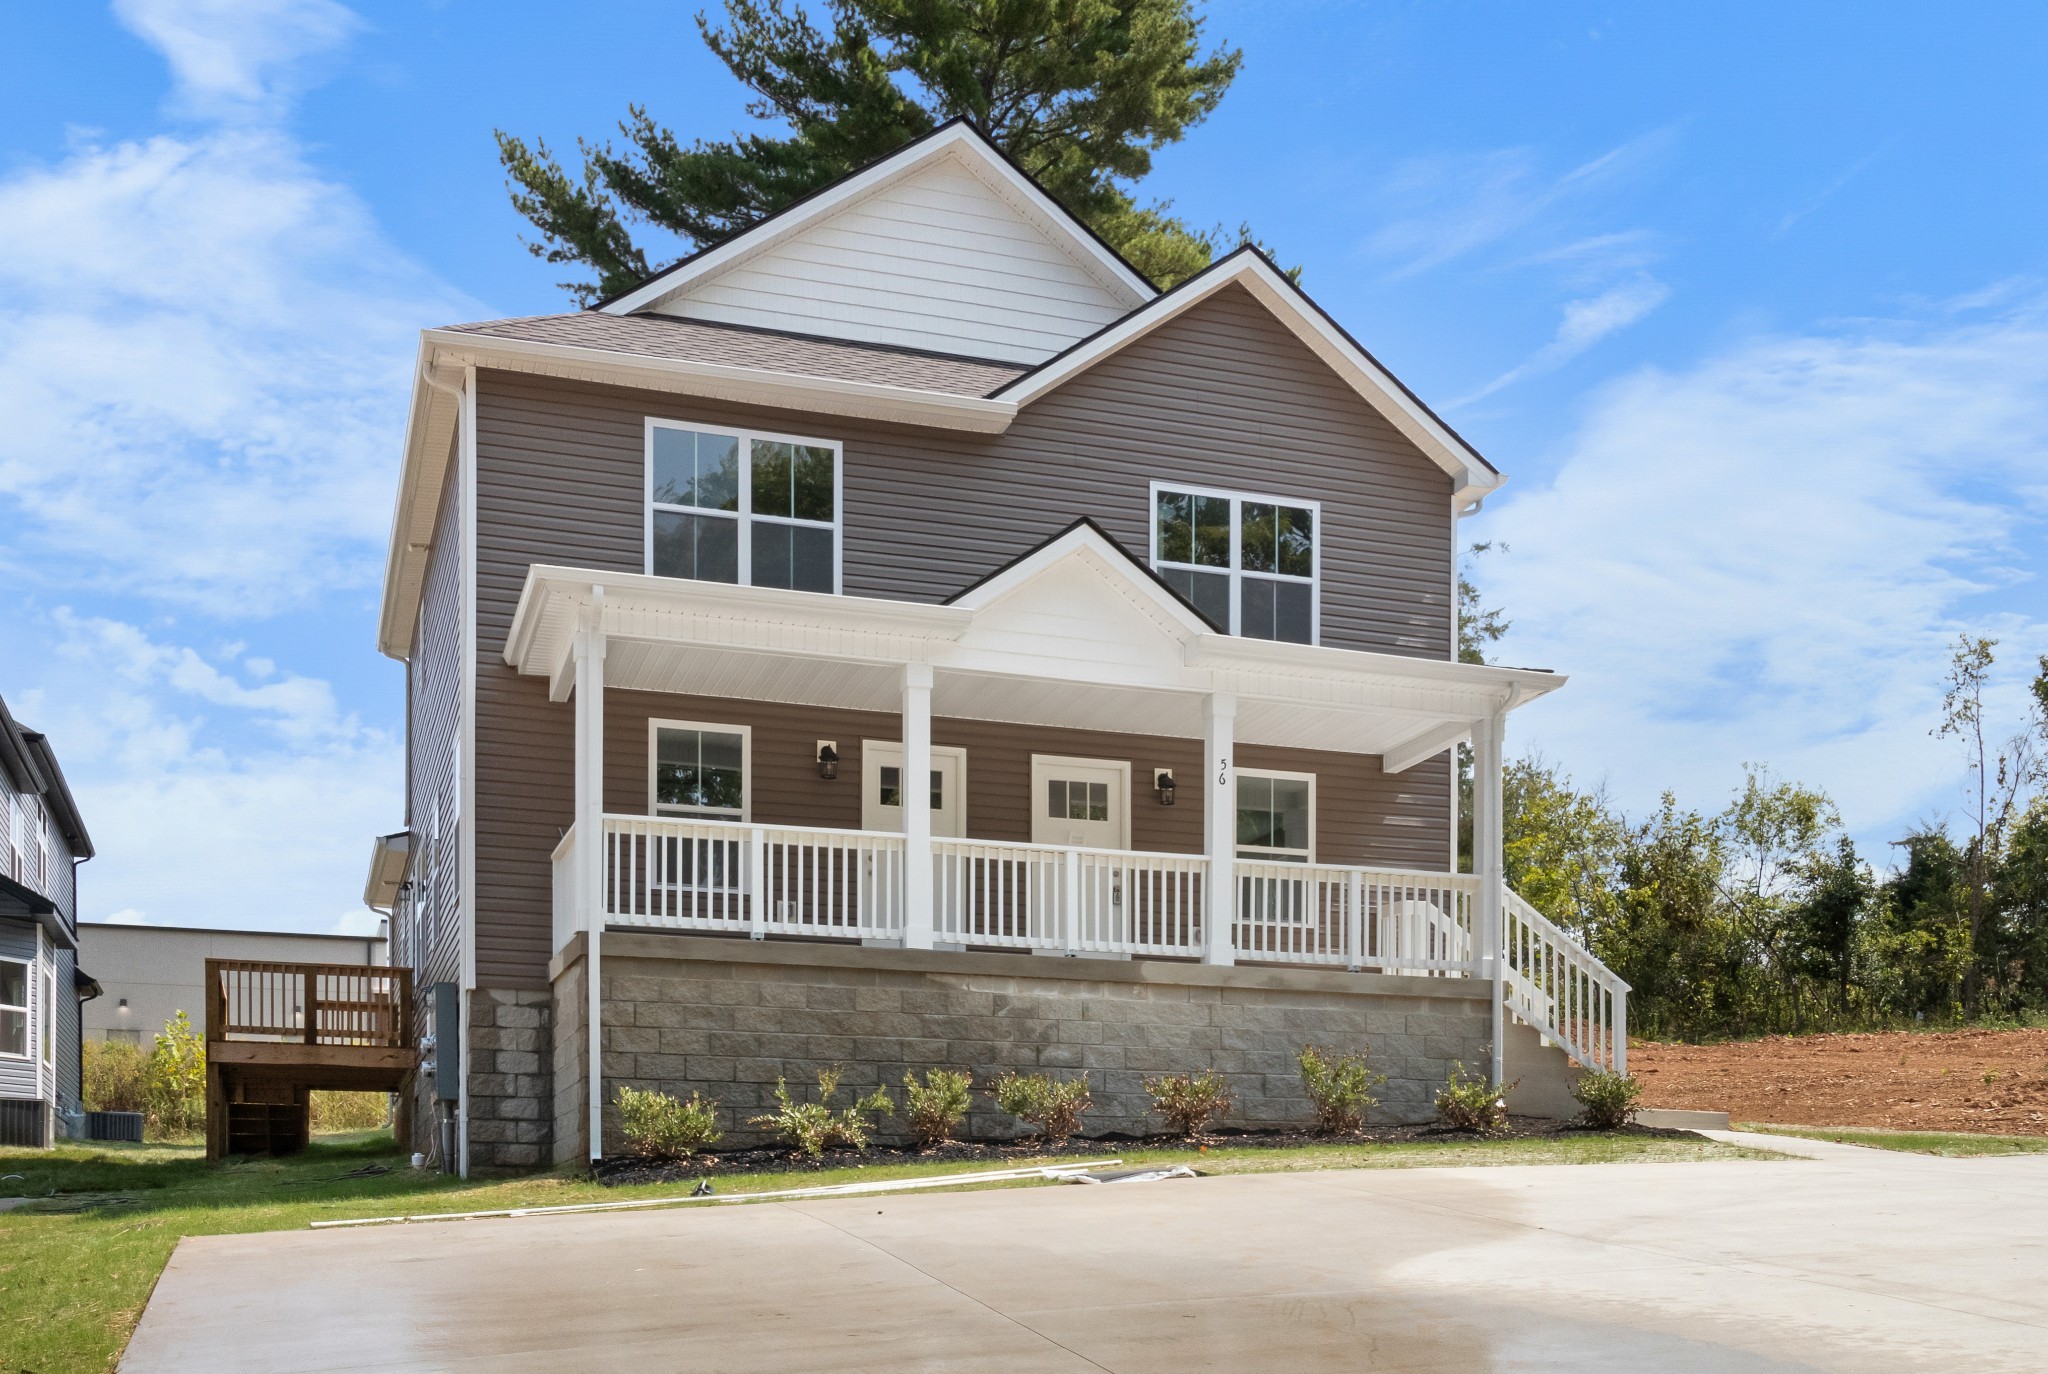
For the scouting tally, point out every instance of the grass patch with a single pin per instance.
(73, 1283)
(1954, 1144)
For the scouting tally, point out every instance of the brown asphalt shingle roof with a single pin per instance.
(666, 336)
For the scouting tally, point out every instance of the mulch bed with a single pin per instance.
(631, 1169)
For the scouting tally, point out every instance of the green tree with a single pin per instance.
(2016, 933)
(1922, 949)
(1771, 833)
(1079, 92)
(175, 1079)
(1673, 939)
(1832, 902)
(1561, 847)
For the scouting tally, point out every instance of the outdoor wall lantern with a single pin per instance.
(1162, 782)
(828, 759)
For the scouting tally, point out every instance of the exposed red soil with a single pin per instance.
(1905, 1080)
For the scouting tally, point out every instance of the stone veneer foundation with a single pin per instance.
(727, 1017)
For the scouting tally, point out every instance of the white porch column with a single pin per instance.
(1488, 740)
(1219, 826)
(917, 806)
(590, 848)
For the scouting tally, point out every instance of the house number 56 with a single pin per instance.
(1222, 770)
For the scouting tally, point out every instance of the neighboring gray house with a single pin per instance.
(42, 840)
(1152, 593)
(148, 974)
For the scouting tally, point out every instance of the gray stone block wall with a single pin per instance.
(726, 1018)
(570, 1105)
(510, 1061)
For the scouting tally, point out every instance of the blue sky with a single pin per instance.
(1752, 305)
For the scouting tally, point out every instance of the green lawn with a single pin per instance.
(1955, 1144)
(73, 1282)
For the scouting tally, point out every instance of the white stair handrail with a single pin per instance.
(1557, 985)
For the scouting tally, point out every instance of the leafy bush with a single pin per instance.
(1340, 1087)
(175, 1090)
(1053, 1105)
(933, 1108)
(116, 1077)
(1465, 1103)
(1190, 1101)
(811, 1128)
(664, 1127)
(340, 1111)
(1609, 1099)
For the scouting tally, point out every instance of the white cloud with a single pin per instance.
(1766, 557)
(237, 56)
(1585, 323)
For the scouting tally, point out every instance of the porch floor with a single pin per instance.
(1860, 1260)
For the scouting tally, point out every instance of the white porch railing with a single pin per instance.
(1556, 985)
(676, 874)
(1358, 917)
(1082, 901)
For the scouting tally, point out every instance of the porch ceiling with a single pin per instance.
(1075, 641)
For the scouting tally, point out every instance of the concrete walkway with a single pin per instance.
(1852, 1259)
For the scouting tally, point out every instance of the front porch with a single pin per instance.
(1074, 637)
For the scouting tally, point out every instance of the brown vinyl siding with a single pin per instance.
(1223, 396)
(434, 708)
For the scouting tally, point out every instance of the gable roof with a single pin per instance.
(1473, 476)
(1088, 540)
(944, 244)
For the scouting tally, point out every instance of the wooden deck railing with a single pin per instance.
(309, 1004)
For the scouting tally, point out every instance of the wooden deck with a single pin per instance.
(276, 1032)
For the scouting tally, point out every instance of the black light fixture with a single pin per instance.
(828, 760)
(1162, 782)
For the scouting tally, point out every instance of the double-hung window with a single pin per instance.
(727, 505)
(1276, 816)
(1249, 563)
(14, 1008)
(698, 770)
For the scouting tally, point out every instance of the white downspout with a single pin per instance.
(589, 755)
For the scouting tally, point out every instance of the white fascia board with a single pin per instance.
(765, 607)
(957, 140)
(1504, 688)
(743, 385)
(423, 464)
(1473, 475)
(1087, 543)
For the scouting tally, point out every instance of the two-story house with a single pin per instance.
(801, 642)
(42, 840)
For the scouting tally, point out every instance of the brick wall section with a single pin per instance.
(726, 1017)
(511, 1072)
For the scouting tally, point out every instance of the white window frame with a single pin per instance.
(745, 514)
(1236, 570)
(1256, 853)
(701, 813)
(47, 1036)
(26, 1007)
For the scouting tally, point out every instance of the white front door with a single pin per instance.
(881, 788)
(1084, 802)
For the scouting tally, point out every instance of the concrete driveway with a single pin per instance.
(1852, 1260)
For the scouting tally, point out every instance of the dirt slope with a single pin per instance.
(1908, 1080)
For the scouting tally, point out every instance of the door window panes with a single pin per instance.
(735, 507)
(1076, 800)
(892, 787)
(1247, 564)
(699, 771)
(1273, 817)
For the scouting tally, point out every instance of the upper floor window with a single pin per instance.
(760, 510)
(1249, 563)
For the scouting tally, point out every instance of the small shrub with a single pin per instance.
(1190, 1101)
(1340, 1087)
(1466, 1103)
(176, 1079)
(933, 1108)
(811, 1128)
(116, 1077)
(664, 1127)
(1609, 1099)
(1053, 1105)
(345, 1111)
